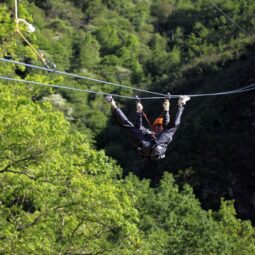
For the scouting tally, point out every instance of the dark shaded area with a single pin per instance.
(25, 203)
(214, 147)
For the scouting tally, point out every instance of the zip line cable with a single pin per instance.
(229, 18)
(236, 91)
(60, 87)
(248, 88)
(30, 28)
(77, 76)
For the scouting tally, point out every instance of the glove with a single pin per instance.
(166, 105)
(139, 107)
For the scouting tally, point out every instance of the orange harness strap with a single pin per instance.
(146, 118)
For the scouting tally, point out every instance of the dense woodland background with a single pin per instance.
(72, 183)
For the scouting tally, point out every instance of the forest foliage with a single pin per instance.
(60, 192)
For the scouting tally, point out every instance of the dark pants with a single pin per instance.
(136, 134)
(167, 135)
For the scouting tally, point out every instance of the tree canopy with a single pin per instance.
(61, 192)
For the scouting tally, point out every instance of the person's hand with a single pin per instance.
(139, 107)
(166, 105)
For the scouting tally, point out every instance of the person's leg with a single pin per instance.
(135, 133)
(167, 135)
(178, 116)
(122, 118)
(181, 102)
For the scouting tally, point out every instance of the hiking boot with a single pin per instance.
(110, 100)
(182, 100)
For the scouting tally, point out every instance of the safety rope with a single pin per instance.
(39, 56)
(138, 100)
(77, 76)
(147, 120)
(17, 31)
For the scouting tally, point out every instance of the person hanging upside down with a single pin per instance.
(153, 143)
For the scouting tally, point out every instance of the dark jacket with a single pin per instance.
(157, 143)
(150, 145)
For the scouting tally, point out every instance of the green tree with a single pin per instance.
(108, 38)
(174, 223)
(57, 194)
(161, 10)
(89, 52)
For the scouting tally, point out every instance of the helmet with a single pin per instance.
(158, 121)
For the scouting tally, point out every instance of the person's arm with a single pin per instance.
(139, 115)
(166, 115)
(139, 120)
(166, 118)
